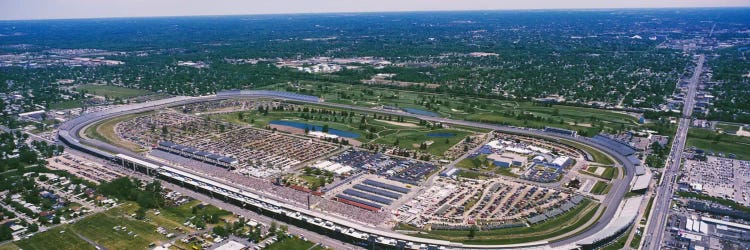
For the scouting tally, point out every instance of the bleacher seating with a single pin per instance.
(377, 191)
(386, 186)
(367, 196)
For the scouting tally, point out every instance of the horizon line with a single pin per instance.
(376, 12)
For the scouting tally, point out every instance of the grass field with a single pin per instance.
(99, 228)
(609, 172)
(468, 108)
(729, 128)
(720, 143)
(636, 239)
(61, 237)
(724, 202)
(9, 246)
(66, 104)
(105, 131)
(648, 208)
(600, 188)
(408, 137)
(292, 243)
(565, 223)
(112, 91)
(619, 243)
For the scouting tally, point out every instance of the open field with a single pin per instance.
(608, 173)
(515, 113)
(105, 131)
(61, 237)
(600, 188)
(292, 243)
(100, 229)
(65, 104)
(727, 127)
(112, 91)
(719, 143)
(565, 223)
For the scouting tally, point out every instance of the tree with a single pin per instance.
(33, 227)
(56, 219)
(5, 233)
(140, 214)
(472, 231)
(220, 231)
(272, 228)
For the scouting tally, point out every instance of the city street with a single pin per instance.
(656, 226)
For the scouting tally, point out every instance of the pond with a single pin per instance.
(300, 125)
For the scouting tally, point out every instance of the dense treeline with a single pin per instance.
(731, 71)
(147, 196)
(585, 56)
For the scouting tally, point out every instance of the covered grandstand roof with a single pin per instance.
(624, 216)
(613, 144)
(641, 181)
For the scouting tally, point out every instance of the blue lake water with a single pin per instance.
(420, 112)
(441, 135)
(300, 125)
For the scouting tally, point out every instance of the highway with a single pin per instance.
(654, 234)
(620, 187)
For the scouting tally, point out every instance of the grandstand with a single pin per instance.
(358, 203)
(189, 152)
(367, 196)
(613, 144)
(377, 191)
(386, 186)
(567, 206)
(269, 93)
(561, 131)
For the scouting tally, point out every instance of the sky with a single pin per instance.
(63, 9)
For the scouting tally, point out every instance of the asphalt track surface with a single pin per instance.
(620, 187)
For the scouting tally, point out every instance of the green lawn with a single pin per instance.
(112, 91)
(648, 208)
(741, 151)
(724, 202)
(99, 228)
(66, 104)
(636, 239)
(565, 223)
(61, 237)
(711, 141)
(105, 131)
(600, 188)
(729, 128)
(619, 243)
(467, 108)
(292, 243)
(610, 173)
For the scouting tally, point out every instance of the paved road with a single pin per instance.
(657, 222)
(611, 202)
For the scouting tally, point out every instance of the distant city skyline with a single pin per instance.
(69, 9)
